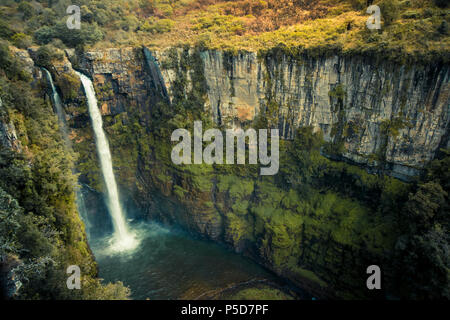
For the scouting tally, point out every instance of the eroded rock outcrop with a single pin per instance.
(377, 111)
(372, 111)
(122, 77)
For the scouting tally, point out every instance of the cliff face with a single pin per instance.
(123, 77)
(374, 111)
(127, 87)
(378, 114)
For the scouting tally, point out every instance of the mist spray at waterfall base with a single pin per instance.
(123, 239)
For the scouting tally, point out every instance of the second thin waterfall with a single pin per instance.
(123, 239)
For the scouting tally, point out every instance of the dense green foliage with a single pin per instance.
(39, 223)
(88, 34)
(423, 251)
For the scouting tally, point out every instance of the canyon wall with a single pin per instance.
(377, 110)
(378, 114)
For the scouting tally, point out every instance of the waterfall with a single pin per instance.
(156, 77)
(123, 239)
(57, 104)
(58, 107)
(81, 206)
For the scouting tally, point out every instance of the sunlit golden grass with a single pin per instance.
(338, 26)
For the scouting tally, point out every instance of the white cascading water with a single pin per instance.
(123, 239)
(57, 103)
(58, 107)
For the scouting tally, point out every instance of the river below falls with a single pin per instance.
(171, 264)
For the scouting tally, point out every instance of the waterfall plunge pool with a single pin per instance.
(170, 264)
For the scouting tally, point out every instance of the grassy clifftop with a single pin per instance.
(410, 28)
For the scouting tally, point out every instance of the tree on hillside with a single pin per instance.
(423, 207)
(26, 9)
(422, 253)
